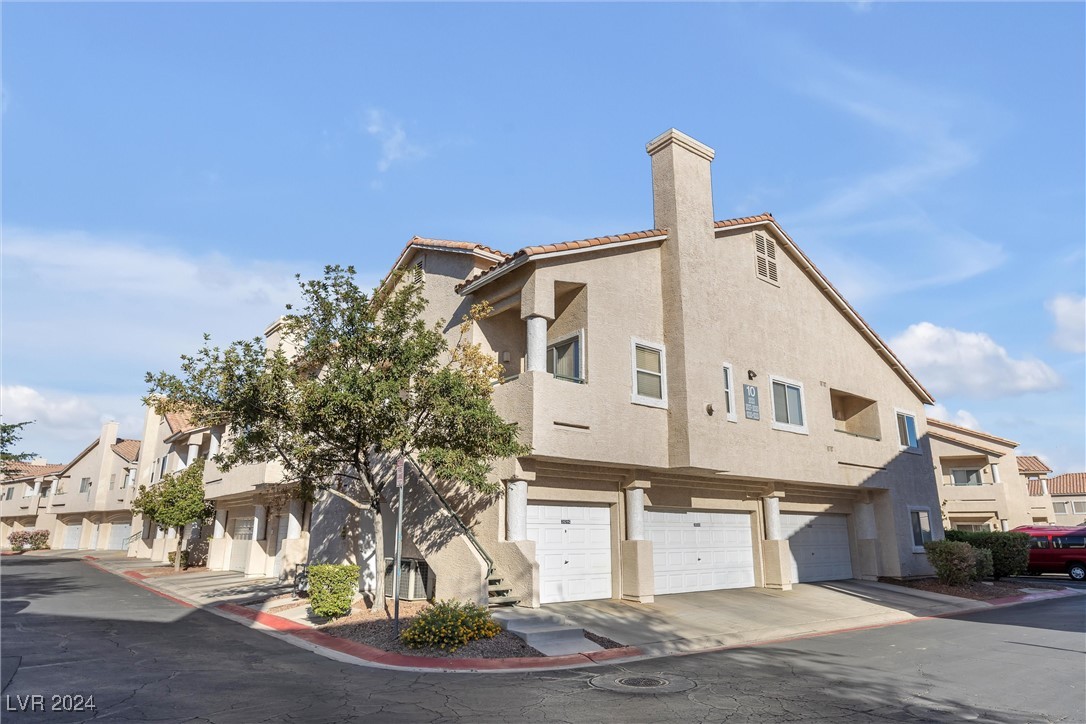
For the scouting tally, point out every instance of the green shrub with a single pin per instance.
(449, 625)
(955, 563)
(184, 558)
(1010, 551)
(332, 589)
(985, 568)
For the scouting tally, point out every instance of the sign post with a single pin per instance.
(399, 538)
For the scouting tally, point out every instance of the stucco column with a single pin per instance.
(772, 507)
(220, 523)
(537, 344)
(995, 473)
(516, 510)
(37, 488)
(194, 450)
(171, 532)
(294, 520)
(1004, 525)
(158, 530)
(867, 545)
(635, 514)
(216, 440)
(260, 516)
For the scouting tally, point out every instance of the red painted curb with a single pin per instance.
(91, 558)
(135, 574)
(11, 553)
(378, 656)
(130, 578)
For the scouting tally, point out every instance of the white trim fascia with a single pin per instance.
(733, 415)
(641, 399)
(487, 277)
(784, 426)
(825, 286)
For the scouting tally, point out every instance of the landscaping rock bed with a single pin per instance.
(978, 591)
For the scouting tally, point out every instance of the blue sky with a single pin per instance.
(168, 168)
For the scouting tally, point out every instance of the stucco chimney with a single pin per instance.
(682, 203)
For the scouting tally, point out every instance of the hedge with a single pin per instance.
(332, 589)
(1010, 551)
(955, 563)
(985, 569)
(29, 539)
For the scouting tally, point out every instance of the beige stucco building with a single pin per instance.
(705, 411)
(1068, 492)
(85, 504)
(980, 486)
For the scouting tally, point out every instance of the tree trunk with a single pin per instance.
(379, 553)
(177, 552)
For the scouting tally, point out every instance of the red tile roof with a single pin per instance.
(1067, 484)
(1032, 464)
(127, 449)
(179, 421)
(1036, 488)
(31, 470)
(530, 251)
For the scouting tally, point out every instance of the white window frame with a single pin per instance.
(85, 485)
(784, 426)
(1065, 510)
(916, 429)
(980, 477)
(641, 399)
(931, 528)
(9, 492)
(729, 393)
(1078, 507)
(579, 336)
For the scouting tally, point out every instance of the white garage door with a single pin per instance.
(694, 551)
(573, 548)
(819, 545)
(72, 534)
(118, 533)
(241, 543)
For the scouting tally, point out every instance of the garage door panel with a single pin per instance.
(819, 545)
(72, 534)
(573, 548)
(698, 550)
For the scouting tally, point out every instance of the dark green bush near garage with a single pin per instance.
(1010, 551)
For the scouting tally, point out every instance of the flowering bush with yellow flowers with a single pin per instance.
(448, 625)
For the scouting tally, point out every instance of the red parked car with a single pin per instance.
(1057, 549)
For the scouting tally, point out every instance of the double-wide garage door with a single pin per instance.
(819, 546)
(573, 549)
(700, 551)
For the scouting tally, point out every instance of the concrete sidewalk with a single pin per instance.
(675, 624)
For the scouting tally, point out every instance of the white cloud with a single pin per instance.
(393, 139)
(65, 422)
(951, 362)
(1069, 313)
(962, 418)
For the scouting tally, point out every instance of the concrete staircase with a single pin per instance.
(550, 634)
(498, 592)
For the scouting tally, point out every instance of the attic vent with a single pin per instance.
(417, 273)
(765, 257)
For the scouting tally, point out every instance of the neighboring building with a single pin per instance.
(22, 499)
(1068, 493)
(979, 485)
(85, 504)
(1034, 473)
(705, 411)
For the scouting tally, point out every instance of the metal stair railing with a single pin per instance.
(463, 526)
(132, 539)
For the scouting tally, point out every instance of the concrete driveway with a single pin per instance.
(696, 621)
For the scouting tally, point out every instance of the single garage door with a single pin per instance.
(118, 534)
(696, 551)
(241, 543)
(573, 549)
(819, 545)
(72, 533)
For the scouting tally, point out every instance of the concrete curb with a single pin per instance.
(340, 649)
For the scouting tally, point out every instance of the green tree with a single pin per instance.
(10, 434)
(176, 501)
(358, 378)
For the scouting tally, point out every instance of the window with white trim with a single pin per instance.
(906, 431)
(729, 392)
(9, 493)
(921, 525)
(112, 480)
(973, 527)
(788, 405)
(128, 474)
(162, 467)
(966, 476)
(765, 258)
(564, 359)
(1060, 508)
(1078, 506)
(649, 374)
(84, 485)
